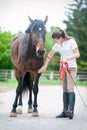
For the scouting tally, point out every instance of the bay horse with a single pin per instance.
(27, 56)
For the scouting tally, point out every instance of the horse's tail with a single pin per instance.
(26, 82)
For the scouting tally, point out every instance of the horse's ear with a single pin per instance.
(46, 19)
(31, 20)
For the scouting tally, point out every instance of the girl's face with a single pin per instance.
(59, 41)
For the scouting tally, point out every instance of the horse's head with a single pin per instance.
(38, 32)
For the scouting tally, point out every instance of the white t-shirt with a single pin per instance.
(66, 49)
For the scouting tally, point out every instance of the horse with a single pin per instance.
(27, 56)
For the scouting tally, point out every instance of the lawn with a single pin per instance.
(13, 83)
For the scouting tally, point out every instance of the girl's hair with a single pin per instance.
(61, 33)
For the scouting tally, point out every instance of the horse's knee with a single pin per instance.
(19, 90)
(35, 90)
(19, 87)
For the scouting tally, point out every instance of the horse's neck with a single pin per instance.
(27, 48)
(26, 38)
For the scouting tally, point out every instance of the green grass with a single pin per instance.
(13, 83)
(58, 82)
(9, 84)
(81, 83)
(49, 82)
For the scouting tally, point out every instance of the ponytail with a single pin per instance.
(61, 33)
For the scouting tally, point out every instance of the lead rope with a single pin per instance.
(61, 71)
(61, 74)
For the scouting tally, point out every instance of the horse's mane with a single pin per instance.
(15, 38)
(29, 28)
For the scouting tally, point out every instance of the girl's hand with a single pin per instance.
(42, 69)
(65, 59)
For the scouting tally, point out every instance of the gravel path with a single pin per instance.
(49, 105)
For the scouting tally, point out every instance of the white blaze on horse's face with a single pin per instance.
(40, 38)
(38, 35)
(40, 28)
(40, 48)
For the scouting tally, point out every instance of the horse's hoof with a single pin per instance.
(29, 111)
(13, 114)
(19, 110)
(35, 114)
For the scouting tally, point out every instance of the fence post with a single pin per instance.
(51, 75)
(12, 74)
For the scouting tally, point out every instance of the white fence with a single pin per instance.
(49, 75)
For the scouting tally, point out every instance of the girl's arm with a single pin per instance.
(43, 68)
(75, 55)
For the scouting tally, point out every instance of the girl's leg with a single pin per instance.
(65, 99)
(71, 94)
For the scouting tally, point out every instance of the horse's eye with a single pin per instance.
(35, 41)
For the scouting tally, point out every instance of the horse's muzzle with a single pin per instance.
(40, 53)
(40, 50)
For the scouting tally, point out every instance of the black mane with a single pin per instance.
(28, 29)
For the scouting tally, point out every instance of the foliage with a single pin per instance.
(76, 25)
(5, 43)
(5, 40)
(49, 45)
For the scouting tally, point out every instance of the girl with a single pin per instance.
(68, 49)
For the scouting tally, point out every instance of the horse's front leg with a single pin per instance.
(35, 91)
(18, 93)
(20, 104)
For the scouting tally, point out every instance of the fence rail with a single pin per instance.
(49, 75)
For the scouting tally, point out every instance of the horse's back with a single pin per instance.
(15, 49)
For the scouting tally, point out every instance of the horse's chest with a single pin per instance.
(34, 65)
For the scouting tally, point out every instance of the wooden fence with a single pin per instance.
(48, 75)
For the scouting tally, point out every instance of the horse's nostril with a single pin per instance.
(40, 52)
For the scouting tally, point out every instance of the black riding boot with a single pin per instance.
(70, 111)
(65, 106)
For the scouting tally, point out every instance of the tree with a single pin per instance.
(76, 25)
(49, 44)
(5, 41)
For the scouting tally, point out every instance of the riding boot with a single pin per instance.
(70, 111)
(65, 106)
